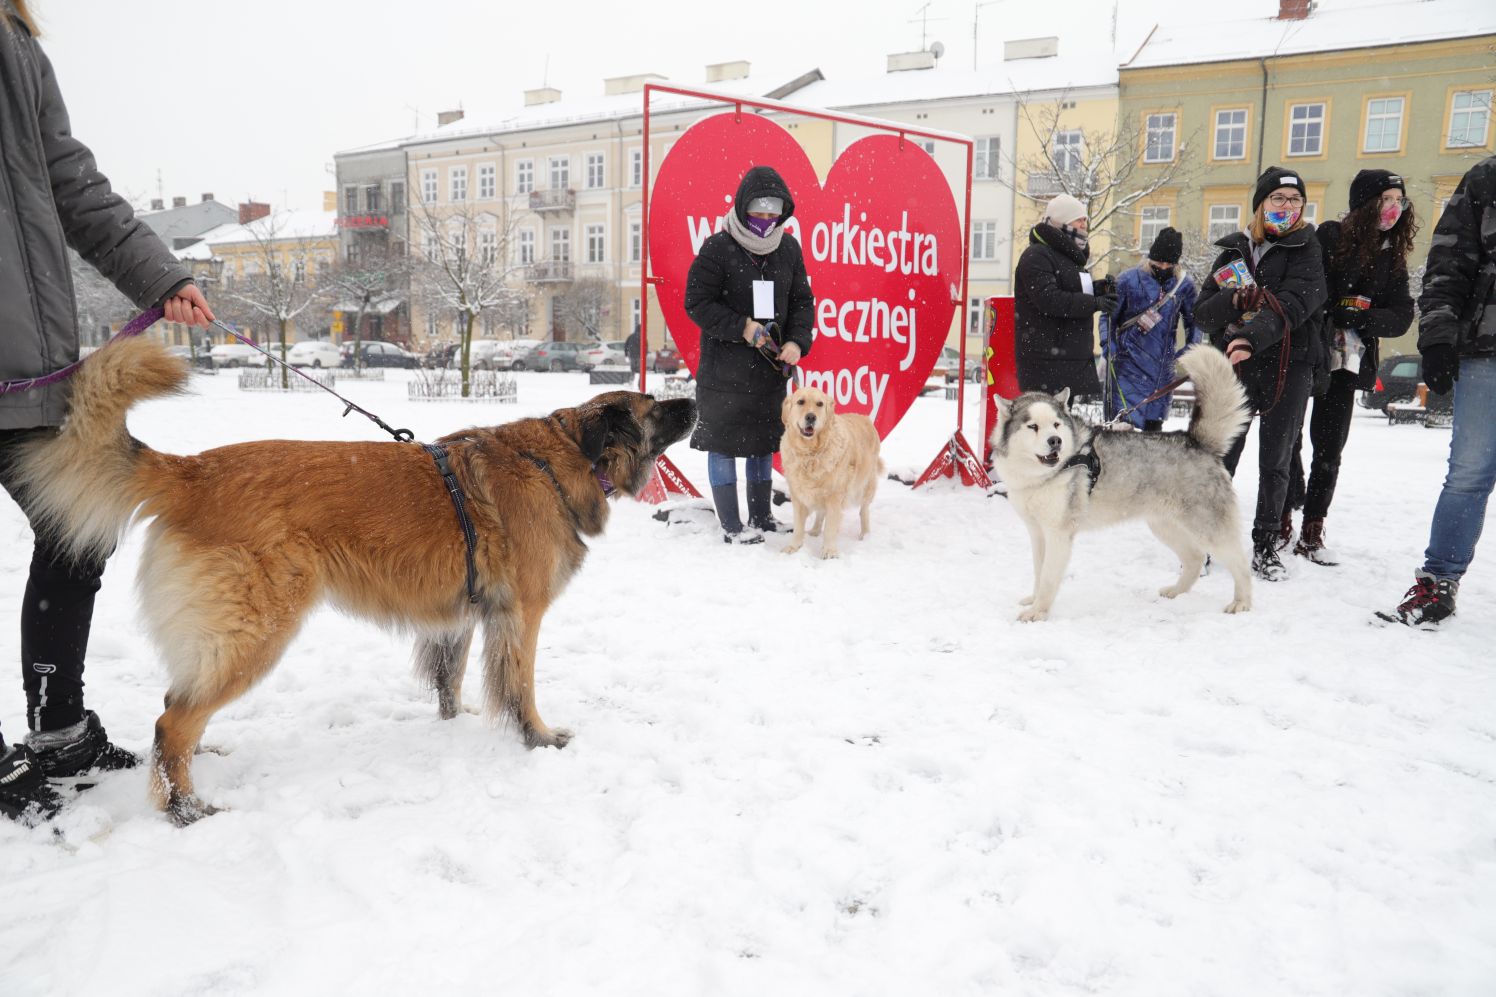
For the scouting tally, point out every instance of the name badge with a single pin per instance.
(763, 299)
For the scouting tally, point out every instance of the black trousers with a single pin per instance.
(1329, 428)
(56, 614)
(1277, 433)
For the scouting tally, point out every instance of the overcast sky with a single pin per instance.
(254, 98)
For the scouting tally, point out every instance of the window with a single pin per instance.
(524, 176)
(1151, 221)
(1067, 152)
(371, 198)
(1383, 125)
(984, 158)
(397, 197)
(974, 317)
(593, 235)
(634, 313)
(524, 247)
(561, 244)
(432, 328)
(1224, 219)
(1469, 117)
(428, 186)
(350, 200)
(636, 167)
(1158, 146)
(1306, 130)
(636, 242)
(928, 145)
(298, 271)
(488, 247)
(594, 170)
(984, 240)
(487, 181)
(457, 183)
(560, 172)
(1231, 134)
(1311, 212)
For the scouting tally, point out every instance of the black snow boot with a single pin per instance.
(74, 751)
(725, 498)
(25, 794)
(760, 506)
(1311, 545)
(1285, 530)
(1265, 561)
(1428, 603)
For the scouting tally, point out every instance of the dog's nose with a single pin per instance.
(1054, 441)
(810, 418)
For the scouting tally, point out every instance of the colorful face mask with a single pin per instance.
(1279, 222)
(761, 227)
(1390, 216)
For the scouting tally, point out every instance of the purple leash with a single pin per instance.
(134, 327)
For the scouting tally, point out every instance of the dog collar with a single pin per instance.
(606, 484)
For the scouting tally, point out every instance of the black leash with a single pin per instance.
(459, 502)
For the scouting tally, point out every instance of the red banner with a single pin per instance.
(882, 246)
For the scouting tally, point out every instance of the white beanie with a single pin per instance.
(1063, 209)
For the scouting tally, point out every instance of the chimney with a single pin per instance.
(1294, 10)
(447, 117)
(207, 197)
(179, 202)
(252, 210)
(542, 95)
(629, 84)
(157, 204)
(718, 72)
(1031, 48)
(900, 62)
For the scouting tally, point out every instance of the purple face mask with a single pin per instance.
(761, 227)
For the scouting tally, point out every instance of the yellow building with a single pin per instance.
(267, 269)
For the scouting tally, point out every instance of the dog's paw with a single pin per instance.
(1033, 615)
(1027, 600)
(1171, 591)
(551, 737)
(829, 553)
(186, 809)
(1239, 605)
(790, 548)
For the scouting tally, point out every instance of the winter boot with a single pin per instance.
(24, 792)
(1265, 561)
(72, 752)
(1428, 603)
(760, 506)
(1311, 544)
(725, 498)
(1285, 530)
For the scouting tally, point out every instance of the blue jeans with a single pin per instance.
(723, 470)
(1461, 511)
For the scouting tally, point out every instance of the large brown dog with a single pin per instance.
(247, 539)
(830, 462)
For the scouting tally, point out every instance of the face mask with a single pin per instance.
(1390, 216)
(1161, 275)
(761, 227)
(1078, 237)
(1278, 222)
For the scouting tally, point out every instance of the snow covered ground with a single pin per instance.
(793, 776)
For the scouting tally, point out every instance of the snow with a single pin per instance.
(798, 776)
(1006, 79)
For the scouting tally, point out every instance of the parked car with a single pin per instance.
(499, 354)
(201, 361)
(236, 354)
(376, 353)
(444, 355)
(551, 356)
(665, 360)
(610, 354)
(1398, 378)
(950, 362)
(314, 353)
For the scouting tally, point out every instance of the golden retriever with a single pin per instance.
(830, 462)
(245, 540)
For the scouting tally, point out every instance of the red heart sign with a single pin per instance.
(882, 245)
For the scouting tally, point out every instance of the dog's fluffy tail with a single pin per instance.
(1221, 413)
(83, 485)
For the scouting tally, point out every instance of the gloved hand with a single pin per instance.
(1441, 368)
(1350, 317)
(1104, 286)
(1106, 303)
(1248, 298)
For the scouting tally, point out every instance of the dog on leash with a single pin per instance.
(1063, 477)
(246, 540)
(830, 462)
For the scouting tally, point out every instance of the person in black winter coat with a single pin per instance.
(749, 293)
(1055, 301)
(631, 350)
(1275, 348)
(1366, 270)
(53, 196)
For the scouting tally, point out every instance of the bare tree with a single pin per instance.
(1104, 170)
(100, 304)
(275, 290)
(585, 304)
(368, 280)
(465, 261)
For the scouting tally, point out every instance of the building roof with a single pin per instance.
(1368, 25)
(276, 226)
(1017, 76)
(189, 221)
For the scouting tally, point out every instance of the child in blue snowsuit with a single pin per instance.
(1138, 337)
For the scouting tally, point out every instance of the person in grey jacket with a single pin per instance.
(53, 196)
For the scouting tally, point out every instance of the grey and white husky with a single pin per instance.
(1064, 476)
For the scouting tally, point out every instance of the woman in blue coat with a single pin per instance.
(1138, 337)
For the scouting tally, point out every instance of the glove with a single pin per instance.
(1441, 368)
(1105, 286)
(1248, 298)
(1106, 303)
(1350, 317)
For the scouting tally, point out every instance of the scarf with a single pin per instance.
(741, 234)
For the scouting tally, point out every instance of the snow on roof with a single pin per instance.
(1018, 76)
(277, 225)
(198, 252)
(1396, 22)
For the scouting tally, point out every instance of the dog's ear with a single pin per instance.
(786, 409)
(605, 425)
(1063, 397)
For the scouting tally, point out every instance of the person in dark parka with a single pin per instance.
(1054, 302)
(739, 383)
(1366, 269)
(53, 196)
(1275, 355)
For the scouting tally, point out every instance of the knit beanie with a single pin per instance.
(1063, 209)
(1274, 177)
(1369, 185)
(1167, 247)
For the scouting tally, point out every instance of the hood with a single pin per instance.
(762, 181)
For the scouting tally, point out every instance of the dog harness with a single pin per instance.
(1088, 459)
(459, 502)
